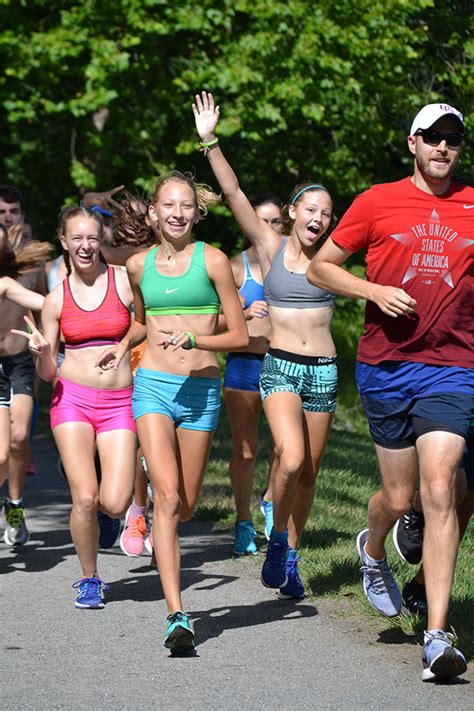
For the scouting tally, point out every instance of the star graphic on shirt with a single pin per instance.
(410, 241)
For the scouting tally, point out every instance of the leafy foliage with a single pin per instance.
(98, 93)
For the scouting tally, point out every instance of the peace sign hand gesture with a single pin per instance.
(37, 343)
(206, 116)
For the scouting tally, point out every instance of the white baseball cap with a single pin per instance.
(430, 113)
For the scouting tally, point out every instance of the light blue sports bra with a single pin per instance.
(251, 289)
(292, 290)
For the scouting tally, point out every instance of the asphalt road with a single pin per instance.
(254, 651)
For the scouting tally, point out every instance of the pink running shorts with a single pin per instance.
(105, 410)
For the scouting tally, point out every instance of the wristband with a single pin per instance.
(192, 341)
(204, 147)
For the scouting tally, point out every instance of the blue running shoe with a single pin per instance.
(441, 660)
(109, 530)
(244, 543)
(274, 568)
(266, 507)
(179, 637)
(91, 593)
(378, 582)
(294, 589)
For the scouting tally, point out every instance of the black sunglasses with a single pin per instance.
(434, 138)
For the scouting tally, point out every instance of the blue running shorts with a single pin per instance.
(403, 400)
(192, 403)
(242, 371)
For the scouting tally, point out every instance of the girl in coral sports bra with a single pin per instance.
(178, 288)
(91, 408)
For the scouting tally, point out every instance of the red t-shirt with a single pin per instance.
(423, 244)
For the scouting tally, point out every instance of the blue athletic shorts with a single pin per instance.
(192, 403)
(314, 379)
(242, 371)
(403, 400)
(467, 462)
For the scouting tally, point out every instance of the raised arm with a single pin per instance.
(12, 290)
(266, 241)
(326, 271)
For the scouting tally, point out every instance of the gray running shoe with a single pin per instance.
(378, 582)
(441, 659)
(16, 532)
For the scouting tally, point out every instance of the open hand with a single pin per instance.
(174, 340)
(112, 357)
(104, 199)
(394, 301)
(206, 116)
(257, 309)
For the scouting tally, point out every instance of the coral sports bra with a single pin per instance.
(103, 326)
(188, 293)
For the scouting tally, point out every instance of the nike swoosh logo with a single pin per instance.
(468, 207)
(170, 291)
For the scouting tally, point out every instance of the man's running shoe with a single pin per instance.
(408, 536)
(16, 532)
(274, 573)
(441, 660)
(266, 507)
(414, 598)
(244, 535)
(91, 593)
(109, 530)
(149, 541)
(132, 540)
(378, 582)
(294, 589)
(179, 637)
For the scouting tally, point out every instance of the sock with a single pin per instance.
(135, 510)
(280, 535)
(372, 561)
(292, 552)
(15, 502)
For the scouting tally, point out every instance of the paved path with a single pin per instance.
(254, 651)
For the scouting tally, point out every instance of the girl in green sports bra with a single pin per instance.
(178, 288)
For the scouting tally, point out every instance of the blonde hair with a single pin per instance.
(16, 256)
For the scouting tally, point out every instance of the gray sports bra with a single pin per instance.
(287, 289)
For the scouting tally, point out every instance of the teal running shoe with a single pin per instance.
(91, 593)
(266, 507)
(294, 589)
(244, 543)
(441, 660)
(179, 637)
(380, 587)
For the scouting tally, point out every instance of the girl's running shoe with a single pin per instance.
(179, 637)
(132, 540)
(91, 593)
(109, 530)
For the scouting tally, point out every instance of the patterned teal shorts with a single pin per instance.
(313, 379)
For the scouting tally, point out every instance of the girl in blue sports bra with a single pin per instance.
(241, 384)
(298, 382)
(178, 288)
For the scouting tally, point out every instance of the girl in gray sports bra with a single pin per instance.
(298, 381)
(284, 288)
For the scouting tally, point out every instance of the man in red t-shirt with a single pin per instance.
(415, 362)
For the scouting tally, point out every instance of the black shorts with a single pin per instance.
(17, 376)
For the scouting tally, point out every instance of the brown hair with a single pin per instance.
(18, 258)
(67, 214)
(296, 195)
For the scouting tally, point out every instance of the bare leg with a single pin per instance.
(76, 445)
(243, 408)
(141, 481)
(439, 454)
(4, 442)
(21, 411)
(176, 463)
(117, 459)
(285, 418)
(399, 469)
(316, 429)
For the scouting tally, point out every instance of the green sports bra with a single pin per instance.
(188, 293)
